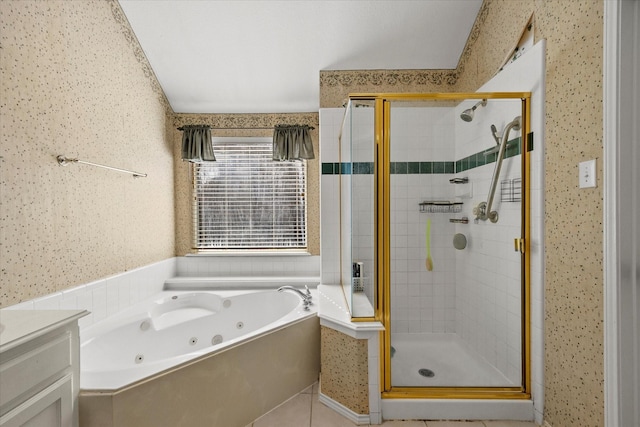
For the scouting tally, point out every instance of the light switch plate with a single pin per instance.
(587, 174)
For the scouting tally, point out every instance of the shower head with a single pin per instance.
(467, 115)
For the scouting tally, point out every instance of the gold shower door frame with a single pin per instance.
(382, 250)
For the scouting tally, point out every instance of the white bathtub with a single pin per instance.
(175, 327)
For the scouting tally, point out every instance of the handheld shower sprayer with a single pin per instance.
(467, 115)
(495, 134)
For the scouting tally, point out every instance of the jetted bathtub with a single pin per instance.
(177, 356)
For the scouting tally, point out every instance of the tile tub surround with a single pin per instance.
(109, 295)
(248, 266)
(106, 296)
(231, 388)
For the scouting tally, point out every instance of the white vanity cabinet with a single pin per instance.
(39, 368)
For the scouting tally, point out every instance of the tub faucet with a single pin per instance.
(306, 296)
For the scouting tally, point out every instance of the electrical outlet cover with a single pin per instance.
(587, 174)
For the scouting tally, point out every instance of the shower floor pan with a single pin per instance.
(451, 363)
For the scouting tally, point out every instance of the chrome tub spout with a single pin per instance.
(306, 296)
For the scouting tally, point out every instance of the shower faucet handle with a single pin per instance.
(479, 210)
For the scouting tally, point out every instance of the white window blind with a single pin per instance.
(245, 200)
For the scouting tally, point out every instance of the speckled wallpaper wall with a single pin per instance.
(74, 81)
(343, 379)
(574, 377)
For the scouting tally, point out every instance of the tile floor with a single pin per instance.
(304, 410)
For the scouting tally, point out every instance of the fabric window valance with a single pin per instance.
(292, 142)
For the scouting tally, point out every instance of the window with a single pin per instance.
(245, 200)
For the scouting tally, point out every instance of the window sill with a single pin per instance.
(248, 253)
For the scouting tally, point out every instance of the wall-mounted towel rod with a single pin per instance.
(63, 161)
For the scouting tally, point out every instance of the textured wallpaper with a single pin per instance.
(342, 378)
(574, 377)
(75, 82)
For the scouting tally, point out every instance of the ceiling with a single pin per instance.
(264, 56)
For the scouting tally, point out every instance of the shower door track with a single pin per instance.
(456, 393)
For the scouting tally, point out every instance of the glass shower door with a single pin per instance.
(455, 292)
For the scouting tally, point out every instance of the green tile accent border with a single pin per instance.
(478, 159)
(327, 169)
(426, 167)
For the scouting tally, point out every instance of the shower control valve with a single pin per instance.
(479, 210)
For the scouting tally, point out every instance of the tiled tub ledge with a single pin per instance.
(239, 282)
(334, 316)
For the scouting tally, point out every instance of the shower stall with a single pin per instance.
(434, 239)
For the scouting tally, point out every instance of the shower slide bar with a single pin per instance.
(63, 161)
(483, 210)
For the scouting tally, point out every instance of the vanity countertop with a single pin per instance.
(18, 326)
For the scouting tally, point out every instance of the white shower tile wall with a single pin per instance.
(422, 301)
(330, 125)
(347, 228)
(330, 230)
(363, 244)
(346, 239)
(362, 195)
(106, 296)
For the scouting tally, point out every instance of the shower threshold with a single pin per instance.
(440, 360)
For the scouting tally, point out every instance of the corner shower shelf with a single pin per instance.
(468, 187)
(438, 206)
